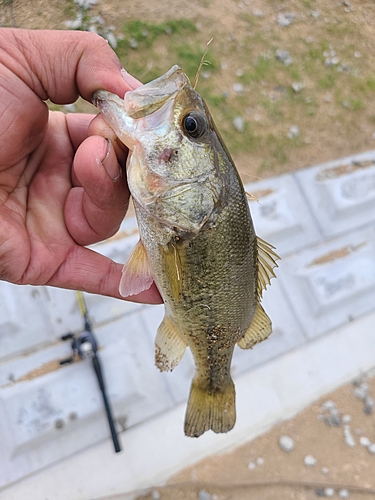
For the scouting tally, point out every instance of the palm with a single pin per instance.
(33, 197)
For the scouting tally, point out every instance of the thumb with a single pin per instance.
(60, 65)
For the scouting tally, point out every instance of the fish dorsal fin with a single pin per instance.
(136, 273)
(169, 346)
(259, 330)
(266, 263)
(173, 268)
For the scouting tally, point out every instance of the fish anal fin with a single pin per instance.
(266, 263)
(136, 273)
(207, 409)
(169, 346)
(173, 268)
(260, 329)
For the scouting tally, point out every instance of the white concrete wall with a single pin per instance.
(53, 433)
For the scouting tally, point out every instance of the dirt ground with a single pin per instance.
(260, 470)
(333, 58)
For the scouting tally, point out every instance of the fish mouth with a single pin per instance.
(148, 98)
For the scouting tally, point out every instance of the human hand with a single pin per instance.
(62, 184)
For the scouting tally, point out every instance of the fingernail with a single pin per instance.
(129, 79)
(110, 165)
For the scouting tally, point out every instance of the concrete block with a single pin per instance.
(287, 333)
(282, 216)
(33, 317)
(341, 193)
(332, 283)
(51, 412)
(266, 396)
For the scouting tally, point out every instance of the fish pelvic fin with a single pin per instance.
(169, 346)
(260, 329)
(136, 273)
(267, 258)
(207, 409)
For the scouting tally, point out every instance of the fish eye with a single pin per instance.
(194, 125)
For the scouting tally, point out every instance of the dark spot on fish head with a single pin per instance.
(166, 155)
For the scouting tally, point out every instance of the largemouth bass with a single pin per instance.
(197, 240)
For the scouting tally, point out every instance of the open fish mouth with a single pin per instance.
(148, 98)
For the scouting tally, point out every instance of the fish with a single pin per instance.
(197, 239)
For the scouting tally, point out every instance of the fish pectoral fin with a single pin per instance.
(169, 346)
(207, 409)
(266, 263)
(136, 273)
(259, 330)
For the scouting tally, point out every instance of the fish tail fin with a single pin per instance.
(207, 410)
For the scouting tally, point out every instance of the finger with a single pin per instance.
(92, 272)
(94, 211)
(75, 63)
(78, 127)
(130, 80)
(99, 127)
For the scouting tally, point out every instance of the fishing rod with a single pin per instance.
(86, 346)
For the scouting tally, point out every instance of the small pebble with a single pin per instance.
(260, 461)
(284, 56)
(346, 419)
(369, 401)
(110, 37)
(76, 24)
(239, 123)
(348, 436)
(286, 443)
(371, 449)
(238, 88)
(328, 405)
(297, 87)
(364, 441)
(285, 19)
(344, 493)
(204, 495)
(293, 132)
(98, 20)
(251, 466)
(309, 460)
(329, 492)
(325, 470)
(155, 495)
(319, 492)
(86, 4)
(133, 43)
(361, 391)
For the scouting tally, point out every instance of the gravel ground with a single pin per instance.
(325, 451)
